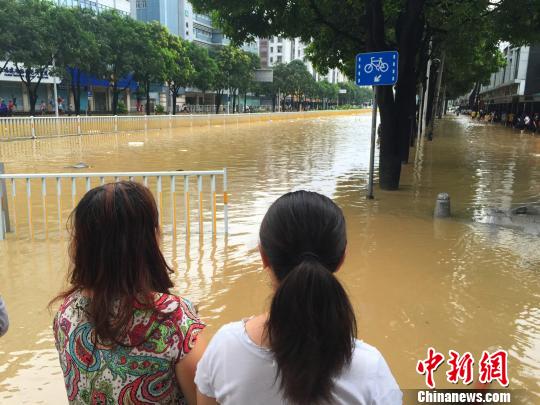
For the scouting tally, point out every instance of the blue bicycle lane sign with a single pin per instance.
(377, 68)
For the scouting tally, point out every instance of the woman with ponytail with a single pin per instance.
(304, 350)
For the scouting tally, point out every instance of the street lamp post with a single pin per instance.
(55, 88)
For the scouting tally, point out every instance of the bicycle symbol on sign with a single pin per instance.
(376, 64)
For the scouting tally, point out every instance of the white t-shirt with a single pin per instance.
(234, 370)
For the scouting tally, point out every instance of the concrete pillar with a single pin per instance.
(25, 98)
(442, 206)
(128, 100)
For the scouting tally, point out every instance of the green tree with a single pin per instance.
(248, 84)
(338, 30)
(9, 10)
(36, 43)
(329, 92)
(154, 56)
(280, 85)
(77, 51)
(205, 68)
(299, 81)
(234, 67)
(180, 69)
(119, 49)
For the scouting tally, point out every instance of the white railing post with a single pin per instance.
(186, 205)
(225, 202)
(145, 122)
(78, 125)
(116, 123)
(87, 178)
(33, 126)
(213, 197)
(4, 208)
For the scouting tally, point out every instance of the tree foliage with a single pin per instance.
(337, 30)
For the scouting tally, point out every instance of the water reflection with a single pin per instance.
(414, 282)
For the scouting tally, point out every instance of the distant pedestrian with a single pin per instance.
(42, 107)
(3, 108)
(4, 321)
(60, 105)
(518, 122)
(528, 123)
(10, 107)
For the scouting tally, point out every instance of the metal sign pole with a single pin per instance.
(375, 69)
(372, 150)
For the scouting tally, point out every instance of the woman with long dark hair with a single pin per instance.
(121, 336)
(303, 351)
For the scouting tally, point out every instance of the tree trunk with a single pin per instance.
(473, 98)
(32, 97)
(390, 146)
(115, 98)
(430, 102)
(76, 89)
(32, 91)
(274, 103)
(245, 101)
(218, 101)
(147, 95)
(441, 103)
(436, 100)
(409, 31)
(173, 96)
(234, 102)
(77, 97)
(389, 156)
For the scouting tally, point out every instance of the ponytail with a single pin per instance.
(311, 330)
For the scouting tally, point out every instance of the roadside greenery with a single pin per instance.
(464, 33)
(112, 47)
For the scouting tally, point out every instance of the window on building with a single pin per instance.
(280, 40)
(187, 33)
(280, 48)
(271, 49)
(187, 25)
(202, 34)
(279, 59)
(299, 53)
(271, 59)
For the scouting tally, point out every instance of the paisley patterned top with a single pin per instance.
(142, 374)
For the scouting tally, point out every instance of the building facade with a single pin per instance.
(122, 6)
(277, 50)
(96, 96)
(180, 19)
(516, 86)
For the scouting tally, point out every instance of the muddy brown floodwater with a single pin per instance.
(415, 282)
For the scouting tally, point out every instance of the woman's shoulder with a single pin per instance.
(73, 300)
(174, 306)
(366, 357)
(369, 365)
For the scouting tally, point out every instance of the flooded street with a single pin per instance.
(451, 284)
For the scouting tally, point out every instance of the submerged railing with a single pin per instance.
(12, 128)
(163, 184)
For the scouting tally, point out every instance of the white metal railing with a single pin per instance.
(50, 126)
(162, 182)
